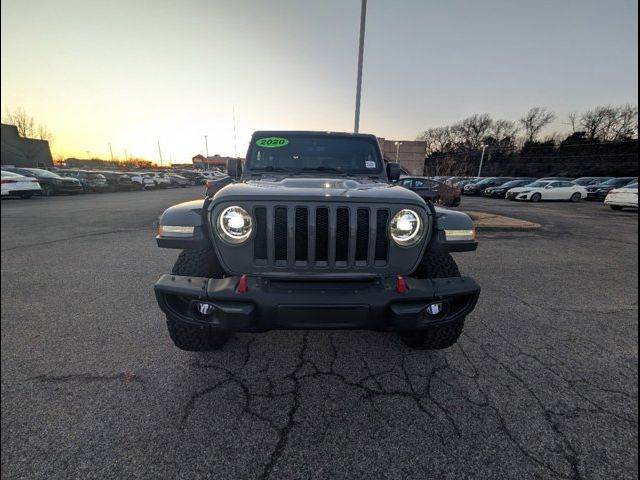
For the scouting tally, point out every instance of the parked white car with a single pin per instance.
(141, 181)
(212, 175)
(160, 180)
(625, 197)
(19, 185)
(548, 190)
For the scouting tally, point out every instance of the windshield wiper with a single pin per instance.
(324, 169)
(269, 168)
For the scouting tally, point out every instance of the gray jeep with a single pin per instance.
(312, 235)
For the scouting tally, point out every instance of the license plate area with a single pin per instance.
(322, 316)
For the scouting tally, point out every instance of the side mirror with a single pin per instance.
(234, 168)
(393, 171)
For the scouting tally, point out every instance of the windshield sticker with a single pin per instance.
(272, 142)
(370, 164)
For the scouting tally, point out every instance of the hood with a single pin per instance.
(328, 189)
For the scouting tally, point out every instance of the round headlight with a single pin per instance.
(406, 228)
(234, 225)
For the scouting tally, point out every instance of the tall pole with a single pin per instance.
(398, 151)
(363, 15)
(235, 143)
(111, 151)
(206, 153)
(126, 155)
(481, 161)
(160, 153)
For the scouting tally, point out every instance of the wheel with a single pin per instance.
(616, 207)
(435, 337)
(25, 195)
(536, 197)
(576, 197)
(196, 263)
(47, 190)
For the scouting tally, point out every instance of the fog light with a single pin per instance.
(436, 310)
(204, 309)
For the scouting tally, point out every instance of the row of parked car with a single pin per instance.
(617, 192)
(26, 182)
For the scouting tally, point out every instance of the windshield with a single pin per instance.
(315, 153)
(617, 182)
(41, 173)
(538, 184)
(515, 183)
(486, 181)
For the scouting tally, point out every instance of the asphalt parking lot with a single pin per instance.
(543, 383)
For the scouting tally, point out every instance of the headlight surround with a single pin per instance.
(406, 228)
(234, 225)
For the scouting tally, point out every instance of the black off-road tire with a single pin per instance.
(197, 263)
(435, 337)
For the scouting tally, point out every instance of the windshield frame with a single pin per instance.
(339, 170)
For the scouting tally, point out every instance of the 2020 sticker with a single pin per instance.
(272, 142)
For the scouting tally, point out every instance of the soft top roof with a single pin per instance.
(262, 133)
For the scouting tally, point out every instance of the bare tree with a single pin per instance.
(626, 122)
(610, 124)
(24, 123)
(472, 131)
(534, 121)
(573, 121)
(504, 131)
(437, 139)
(44, 133)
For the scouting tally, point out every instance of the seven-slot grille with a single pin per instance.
(321, 236)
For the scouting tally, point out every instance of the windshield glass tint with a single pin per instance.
(317, 152)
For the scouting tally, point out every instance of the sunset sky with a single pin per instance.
(132, 73)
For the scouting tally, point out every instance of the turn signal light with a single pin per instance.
(242, 284)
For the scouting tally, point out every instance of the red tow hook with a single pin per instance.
(242, 284)
(401, 284)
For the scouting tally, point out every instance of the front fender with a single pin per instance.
(451, 220)
(187, 214)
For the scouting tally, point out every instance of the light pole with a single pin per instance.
(398, 151)
(206, 152)
(363, 16)
(160, 153)
(111, 151)
(481, 160)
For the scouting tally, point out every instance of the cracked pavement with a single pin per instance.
(542, 384)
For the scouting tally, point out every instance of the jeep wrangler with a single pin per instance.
(312, 234)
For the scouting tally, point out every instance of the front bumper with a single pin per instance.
(276, 305)
(597, 195)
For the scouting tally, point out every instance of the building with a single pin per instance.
(411, 154)
(23, 152)
(200, 161)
